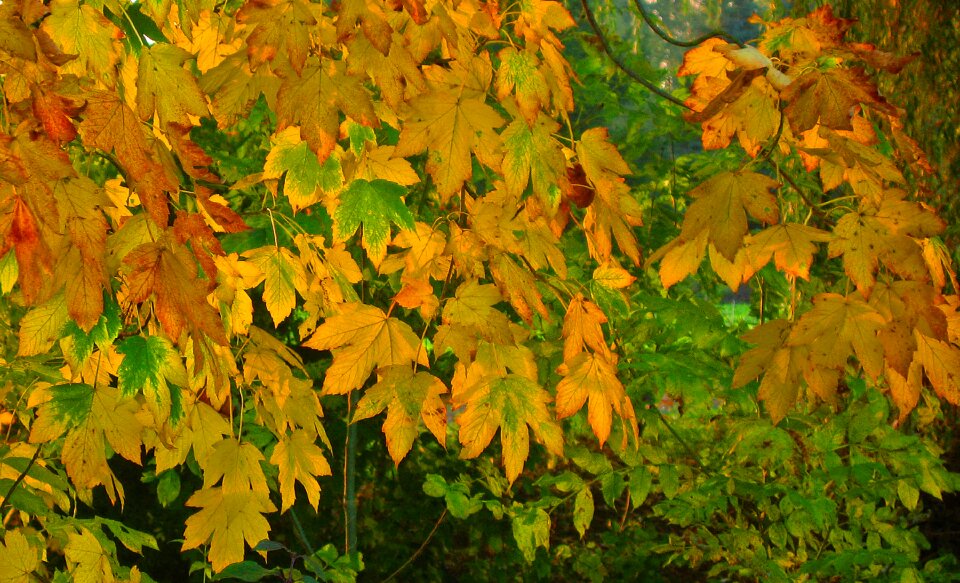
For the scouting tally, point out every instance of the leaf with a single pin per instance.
(613, 276)
(148, 366)
(582, 328)
(593, 377)
(721, 205)
(282, 272)
(531, 529)
(226, 520)
(518, 72)
(374, 205)
(533, 152)
(314, 99)
(42, 326)
(830, 98)
(510, 403)
(168, 273)
(408, 397)
(836, 328)
(583, 510)
(791, 245)
(164, 87)
(299, 460)
(453, 120)
(85, 32)
(18, 558)
(600, 159)
(305, 179)
(363, 338)
(87, 560)
(238, 465)
(941, 363)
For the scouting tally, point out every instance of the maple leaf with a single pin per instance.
(168, 273)
(203, 428)
(593, 376)
(408, 397)
(582, 328)
(780, 364)
(283, 274)
(83, 31)
(380, 162)
(519, 72)
(314, 98)
(531, 151)
(790, 245)
(509, 403)
(15, 37)
(363, 338)
(18, 557)
(452, 119)
(941, 363)
(42, 326)
(164, 87)
(304, 178)
(299, 460)
(829, 98)
(279, 27)
(149, 366)
(87, 560)
(238, 465)
(226, 520)
(397, 73)
(721, 205)
(836, 328)
(374, 205)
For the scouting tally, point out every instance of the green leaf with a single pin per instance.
(152, 366)
(104, 332)
(168, 487)
(531, 529)
(583, 511)
(374, 205)
(908, 493)
(435, 486)
(246, 571)
(69, 404)
(641, 480)
(669, 480)
(306, 178)
(130, 538)
(359, 136)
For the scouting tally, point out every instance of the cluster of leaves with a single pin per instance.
(213, 214)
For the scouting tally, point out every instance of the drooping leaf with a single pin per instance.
(299, 460)
(408, 397)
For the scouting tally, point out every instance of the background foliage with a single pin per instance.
(316, 291)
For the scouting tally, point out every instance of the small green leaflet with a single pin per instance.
(359, 136)
(375, 205)
(306, 178)
(150, 365)
(69, 404)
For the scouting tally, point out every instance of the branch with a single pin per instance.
(23, 474)
(681, 43)
(416, 553)
(623, 67)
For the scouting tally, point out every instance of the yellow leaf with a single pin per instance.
(836, 328)
(87, 561)
(582, 328)
(363, 338)
(941, 362)
(166, 88)
(18, 558)
(87, 33)
(226, 520)
(721, 208)
(791, 245)
(42, 326)
(452, 119)
(613, 276)
(239, 466)
(510, 403)
(407, 397)
(593, 377)
(299, 460)
(283, 274)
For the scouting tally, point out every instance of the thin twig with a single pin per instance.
(416, 553)
(786, 176)
(20, 478)
(682, 441)
(623, 67)
(298, 528)
(681, 43)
